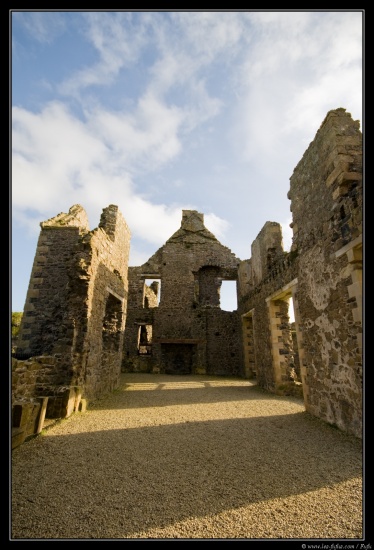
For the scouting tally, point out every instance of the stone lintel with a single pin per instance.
(349, 246)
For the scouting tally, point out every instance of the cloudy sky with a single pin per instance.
(157, 112)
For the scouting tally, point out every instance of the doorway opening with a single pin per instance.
(285, 341)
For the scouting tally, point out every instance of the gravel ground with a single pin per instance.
(188, 457)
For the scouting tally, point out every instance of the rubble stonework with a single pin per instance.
(190, 332)
(88, 314)
(323, 276)
(76, 304)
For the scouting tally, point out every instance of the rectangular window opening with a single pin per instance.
(145, 340)
(228, 296)
(152, 293)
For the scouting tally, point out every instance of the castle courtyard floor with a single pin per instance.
(188, 457)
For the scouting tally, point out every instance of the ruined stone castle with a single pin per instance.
(88, 316)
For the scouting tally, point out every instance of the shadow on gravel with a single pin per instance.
(158, 475)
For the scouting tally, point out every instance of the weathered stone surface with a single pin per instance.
(186, 332)
(75, 310)
(323, 276)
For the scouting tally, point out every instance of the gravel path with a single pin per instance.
(188, 457)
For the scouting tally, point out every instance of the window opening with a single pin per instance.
(145, 340)
(152, 293)
(291, 313)
(228, 296)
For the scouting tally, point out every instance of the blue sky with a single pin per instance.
(157, 112)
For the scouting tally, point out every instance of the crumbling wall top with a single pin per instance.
(112, 221)
(266, 248)
(76, 217)
(192, 222)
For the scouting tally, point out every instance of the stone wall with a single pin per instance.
(322, 275)
(190, 332)
(38, 392)
(326, 202)
(98, 303)
(264, 310)
(76, 304)
(48, 293)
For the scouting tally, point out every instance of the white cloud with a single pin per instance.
(59, 161)
(42, 26)
(147, 137)
(171, 69)
(341, 42)
(118, 46)
(209, 34)
(216, 225)
(150, 134)
(332, 91)
(301, 66)
(51, 152)
(153, 223)
(181, 44)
